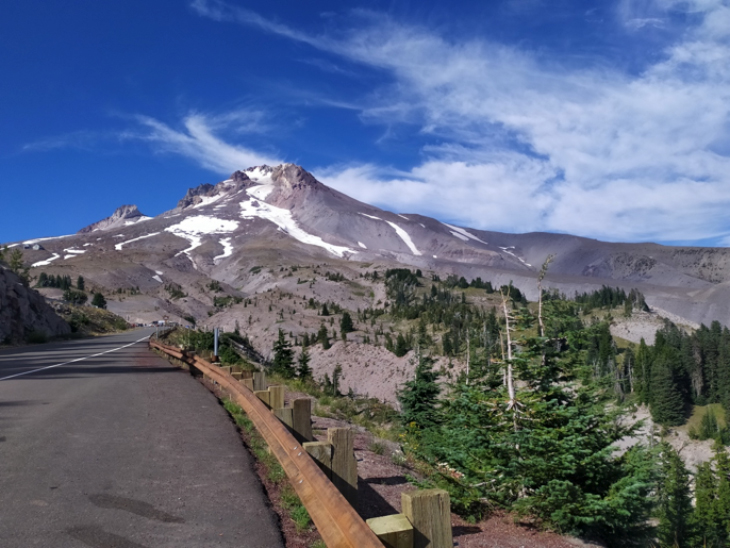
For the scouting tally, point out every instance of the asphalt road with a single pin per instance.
(120, 450)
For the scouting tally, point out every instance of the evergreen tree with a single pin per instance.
(401, 346)
(80, 283)
(75, 297)
(98, 301)
(325, 311)
(323, 337)
(303, 369)
(709, 528)
(283, 357)
(346, 325)
(17, 265)
(675, 528)
(666, 401)
(419, 397)
(722, 502)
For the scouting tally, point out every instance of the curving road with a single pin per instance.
(105, 445)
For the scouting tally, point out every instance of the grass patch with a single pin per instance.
(274, 472)
(36, 337)
(700, 411)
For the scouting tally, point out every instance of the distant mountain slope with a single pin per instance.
(267, 216)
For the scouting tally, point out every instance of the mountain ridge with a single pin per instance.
(266, 215)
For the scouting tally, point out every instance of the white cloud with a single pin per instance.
(533, 144)
(199, 142)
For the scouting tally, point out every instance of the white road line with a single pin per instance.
(73, 361)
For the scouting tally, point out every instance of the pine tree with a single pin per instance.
(346, 325)
(419, 397)
(401, 346)
(642, 372)
(283, 357)
(98, 301)
(666, 401)
(80, 283)
(325, 311)
(303, 369)
(675, 528)
(709, 527)
(722, 503)
(323, 337)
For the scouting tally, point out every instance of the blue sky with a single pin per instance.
(604, 119)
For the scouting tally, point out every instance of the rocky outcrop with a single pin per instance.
(123, 216)
(24, 311)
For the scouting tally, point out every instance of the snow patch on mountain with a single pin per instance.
(207, 200)
(460, 236)
(403, 217)
(260, 192)
(194, 228)
(227, 249)
(137, 220)
(283, 219)
(120, 245)
(405, 237)
(362, 245)
(157, 278)
(371, 216)
(464, 234)
(75, 251)
(260, 174)
(507, 250)
(47, 261)
(36, 240)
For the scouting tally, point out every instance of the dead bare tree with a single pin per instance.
(540, 278)
(509, 373)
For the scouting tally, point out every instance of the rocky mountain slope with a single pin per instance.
(24, 312)
(243, 232)
(125, 215)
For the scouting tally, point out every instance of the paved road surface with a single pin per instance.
(120, 450)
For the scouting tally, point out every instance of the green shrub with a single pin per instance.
(36, 337)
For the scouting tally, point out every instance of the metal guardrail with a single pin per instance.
(338, 523)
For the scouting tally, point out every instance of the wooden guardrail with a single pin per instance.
(337, 522)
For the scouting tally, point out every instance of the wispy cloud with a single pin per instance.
(534, 144)
(82, 140)
(222, 11)
(197, 140)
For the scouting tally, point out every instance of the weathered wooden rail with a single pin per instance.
(337, 522)
(324, 474)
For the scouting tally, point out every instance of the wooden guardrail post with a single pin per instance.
(276, 396)
(344, 465)
(285, 415)
(303, 419)
(393, 531)
(259, 380)
(430, 513)
(321, 453)
(248, 383)
(263, 395)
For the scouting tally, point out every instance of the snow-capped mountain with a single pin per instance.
(265, 218)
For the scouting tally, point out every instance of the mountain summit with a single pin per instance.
(124, 216)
